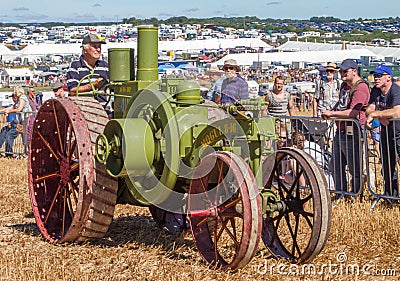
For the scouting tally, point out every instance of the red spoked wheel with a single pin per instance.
(72, 196)
(299, 228)
(225, 210)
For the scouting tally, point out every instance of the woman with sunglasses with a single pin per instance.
(384, 105)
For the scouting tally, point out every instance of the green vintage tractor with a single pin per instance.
(195, 165)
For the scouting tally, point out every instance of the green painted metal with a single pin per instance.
(178, 131)
(147, 59)
(131, 147)
(155, 107)
(121, 64)
(188, 92)
(125, 91)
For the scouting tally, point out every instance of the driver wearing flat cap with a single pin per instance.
(88, 63)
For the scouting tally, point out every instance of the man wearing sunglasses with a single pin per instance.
(326, 90)
(384, 105)
(353, 99)
(234, 87)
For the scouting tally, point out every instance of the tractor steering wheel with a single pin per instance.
(103, 98)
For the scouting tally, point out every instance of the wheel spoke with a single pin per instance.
(73, 189)
(296, 229)
(46, 177)
(295, 182)
(230, 204)
(74, 167)
(71, 144)
(47, 144)
(70, 206)
(58, 129)
(50, 210)
(224, 227)
(230, 237)
(306, 199)
(64, 207)
(301, 200)
(289, 226)
(307, 216)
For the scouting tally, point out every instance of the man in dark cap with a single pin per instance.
(88, 63)
(384, 104)
(58, 89)
(353, 99)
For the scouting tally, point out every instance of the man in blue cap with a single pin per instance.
(384, 105)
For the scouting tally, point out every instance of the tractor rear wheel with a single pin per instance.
(72, 196)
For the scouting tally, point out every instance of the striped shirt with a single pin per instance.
(234, 90)
(277, 108)
(79, 69)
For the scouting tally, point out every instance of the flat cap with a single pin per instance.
(56, 85)
(92, 38)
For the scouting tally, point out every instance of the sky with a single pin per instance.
(78, 11)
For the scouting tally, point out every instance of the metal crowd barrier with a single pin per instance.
(20, 144)
(327, 142)
(382, 148)
(374, 166)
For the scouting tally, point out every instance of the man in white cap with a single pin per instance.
(326, 90)
(88, 63)
(216, 78)
(234, 87)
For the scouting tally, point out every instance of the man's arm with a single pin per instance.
(217, 98)
(315, 107)
(371, 107)
(87, 88)
(291, 106)
(386, 114)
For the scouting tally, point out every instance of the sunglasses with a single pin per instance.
(229, 68)
(379, 75)
(329, 70)
(345, 71)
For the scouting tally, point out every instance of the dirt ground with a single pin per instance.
(361, 246)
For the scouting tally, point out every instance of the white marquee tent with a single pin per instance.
(317, 57)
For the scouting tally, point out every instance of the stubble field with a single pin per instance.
(361, 246)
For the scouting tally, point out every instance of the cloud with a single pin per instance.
(273, 3)
(191, 10)
(96, 5)
(165, 15)
(19, 9)
(32, 18)
(81, 18)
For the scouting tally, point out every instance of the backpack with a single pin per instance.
(336, 106)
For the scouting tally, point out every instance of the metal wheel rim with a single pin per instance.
(321, 211)
(41, 178)
(246, 198)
